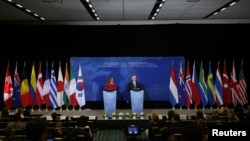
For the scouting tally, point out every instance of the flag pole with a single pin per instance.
(80, 108)
(39, 109)
(73, 108)
(67, 109)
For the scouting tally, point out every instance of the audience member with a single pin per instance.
(20, 112)
(82, 129)
(36, 130)
(170, 114)
(4, 114)
(192, 132)
(17, 124)
(26, 113)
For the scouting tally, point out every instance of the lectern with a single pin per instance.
(137, 101)
(109, 99)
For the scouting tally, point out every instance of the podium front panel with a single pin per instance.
(137, 101)
(109, 99)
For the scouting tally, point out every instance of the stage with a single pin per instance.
(100, 112)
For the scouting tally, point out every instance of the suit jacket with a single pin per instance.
(137, 87)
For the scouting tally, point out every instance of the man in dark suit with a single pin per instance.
(134, 84)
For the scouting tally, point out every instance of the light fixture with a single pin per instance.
(90, 8)
(26, 10)
(156, 9)
(224, 7)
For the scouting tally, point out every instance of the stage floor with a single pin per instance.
(100, 112)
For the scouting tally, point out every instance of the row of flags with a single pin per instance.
(205, 89)
(52, 92)
(69, 91)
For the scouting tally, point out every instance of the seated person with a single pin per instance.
(55, 117)
(36, 130)
(82, 129)
(110, 85)
(154, 126)
(17, 124)
(134, 84)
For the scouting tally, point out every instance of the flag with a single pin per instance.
(33, 87)
(25, 93)
(226, 89)
(46, 87)
(39, 87)
(236, 97)
(60, 86)
(181, 87)
(16, 89)
(242, 85)
(210, 83)
(72, 88)
(80, 95)
(218, 87)
(203, 86)
(66, 87)
(8, 89)
(188, 87)
(195, 85)
(173, 87)
(53, 89)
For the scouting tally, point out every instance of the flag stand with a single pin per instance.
(46, 108)
(173, 108)
(67, 109)
(188, 107)
(61, 109)
(73, 108)
(32, 109)
(203, 108)
(39, 109)
(195, 107)
(180, 107)
(80, 108)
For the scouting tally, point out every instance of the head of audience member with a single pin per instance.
(20, 111)
(231, 116)
(192, 132)
(82, 121)
(154, 117)
(55, 116)
(199, 117)
(36, 130)
(170, 114)
(4, 113)
(239, 116)
(238, 109)
(223, 111)
(248, 108)
(176, 118)
(16, 117)
(26, 113)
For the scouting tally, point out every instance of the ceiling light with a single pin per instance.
(232, 2)
(26, 10)
(90, 8)
(156, 9)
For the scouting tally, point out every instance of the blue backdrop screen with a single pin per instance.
(152, 72)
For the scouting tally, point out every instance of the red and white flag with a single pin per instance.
(8, 89)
